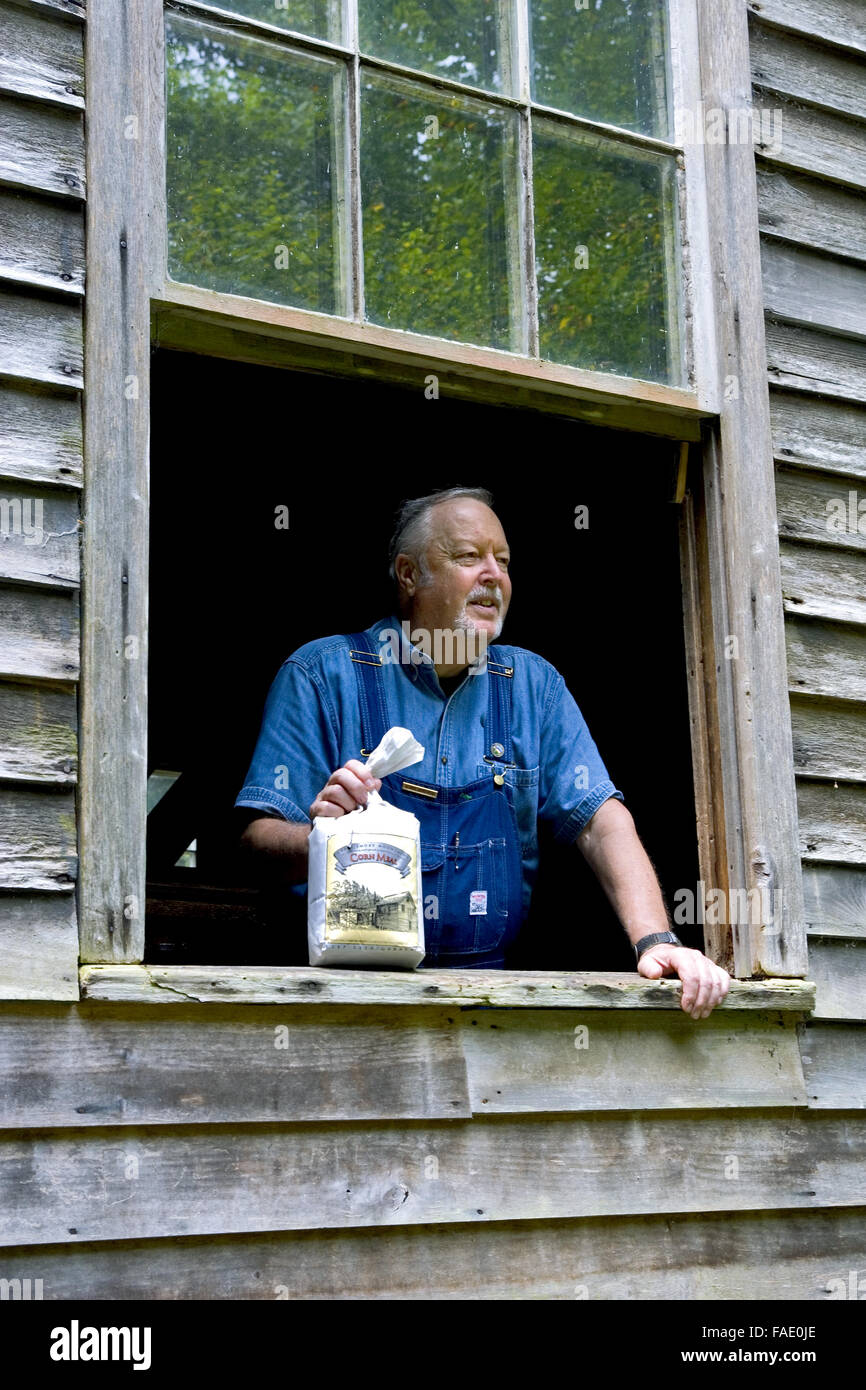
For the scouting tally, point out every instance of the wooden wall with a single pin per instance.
(175, 1151)
(809, 70)
(809, 65)
(42, 187)
(198, 1151)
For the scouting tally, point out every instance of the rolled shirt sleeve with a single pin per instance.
(297, 748)
(573, 780)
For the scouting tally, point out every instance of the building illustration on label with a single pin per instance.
(356, 871)
(350, 904)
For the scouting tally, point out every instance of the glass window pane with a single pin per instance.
(440, 213)
(467, 40)
(605, 255)
(321, 19)
(253, 176)
(605, 61)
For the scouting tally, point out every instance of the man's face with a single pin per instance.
(468, 559)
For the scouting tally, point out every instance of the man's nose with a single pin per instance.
(491, 573)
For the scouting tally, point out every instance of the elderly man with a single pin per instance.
(505, 745)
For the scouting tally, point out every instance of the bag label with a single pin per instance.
(478, 903)
(372, 889)
(372, 852)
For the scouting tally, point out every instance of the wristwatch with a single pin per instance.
(656, 938)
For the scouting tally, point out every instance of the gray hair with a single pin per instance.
(413, 529)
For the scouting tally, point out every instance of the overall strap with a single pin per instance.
(371, 692)
(500, 683)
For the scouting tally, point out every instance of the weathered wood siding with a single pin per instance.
(341, 1151)
(42, 268)
(208, 1149)
(809, 76)
(809, 66)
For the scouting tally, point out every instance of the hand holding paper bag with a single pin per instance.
(350, 786)
(397, 750)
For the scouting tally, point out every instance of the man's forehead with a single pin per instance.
(465, 520)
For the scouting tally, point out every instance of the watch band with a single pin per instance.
(657, 938)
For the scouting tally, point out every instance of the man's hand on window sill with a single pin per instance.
(704, 984)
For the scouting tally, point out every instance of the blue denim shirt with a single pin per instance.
(312, 726)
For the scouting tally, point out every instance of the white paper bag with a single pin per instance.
(364, 897)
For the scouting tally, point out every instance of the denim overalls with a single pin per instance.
(470, 845)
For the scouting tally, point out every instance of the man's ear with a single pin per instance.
(407, 574)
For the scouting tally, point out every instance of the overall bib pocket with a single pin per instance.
(524, 784)
(466, 896)
(476, 894)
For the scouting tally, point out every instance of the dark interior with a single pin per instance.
(231, 596)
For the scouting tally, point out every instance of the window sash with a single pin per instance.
(687, 308)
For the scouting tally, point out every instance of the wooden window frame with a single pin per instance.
(687, 230)
(741, 728)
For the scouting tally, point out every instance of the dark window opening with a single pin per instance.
(232, 594)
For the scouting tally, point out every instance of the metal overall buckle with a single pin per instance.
(497, 753)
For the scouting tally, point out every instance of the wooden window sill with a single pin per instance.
(534, 989)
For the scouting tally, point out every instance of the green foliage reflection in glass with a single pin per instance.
(466, 40)
(255, 194)
(604, 59)
(435, 176)
(603, 231)
(251, 168)
(321, 19)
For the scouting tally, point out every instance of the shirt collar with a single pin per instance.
(413, 661)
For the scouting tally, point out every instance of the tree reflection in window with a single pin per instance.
(264, 190)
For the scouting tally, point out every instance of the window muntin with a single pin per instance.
(362, 184)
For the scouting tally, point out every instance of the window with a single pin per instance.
(500, 174)
(595, 568)
(657, 334)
